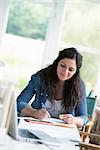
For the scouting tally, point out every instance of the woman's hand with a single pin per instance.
(36, 113)
(70, 119)
(67, 118)
(40, 113)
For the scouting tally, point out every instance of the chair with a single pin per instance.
(85, 133)
(91, 105)
(90, 146)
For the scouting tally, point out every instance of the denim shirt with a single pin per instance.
(35, 87)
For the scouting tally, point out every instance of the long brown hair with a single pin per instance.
(72, 91)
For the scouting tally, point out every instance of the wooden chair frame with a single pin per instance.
(88, 126)
(85, 133)
(88, 146)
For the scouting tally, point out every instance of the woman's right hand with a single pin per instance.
(40, 113)
(35, 113)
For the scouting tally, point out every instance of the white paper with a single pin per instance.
(53, 131)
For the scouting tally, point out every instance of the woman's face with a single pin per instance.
(66, 68)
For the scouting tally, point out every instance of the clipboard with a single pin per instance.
(50, 122)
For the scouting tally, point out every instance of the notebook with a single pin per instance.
(29, 134)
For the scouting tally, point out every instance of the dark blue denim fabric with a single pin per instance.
(35, 87)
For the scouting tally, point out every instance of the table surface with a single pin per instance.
(68, 135)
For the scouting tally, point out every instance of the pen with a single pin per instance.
(43, 106)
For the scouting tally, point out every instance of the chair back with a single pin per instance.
(91, 105)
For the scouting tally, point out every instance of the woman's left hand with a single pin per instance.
(67, 118)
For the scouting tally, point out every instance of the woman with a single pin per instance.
(59, 88)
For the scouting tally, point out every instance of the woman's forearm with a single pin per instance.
(28, 111)
(35, 113)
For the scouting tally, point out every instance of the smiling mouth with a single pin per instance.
(62, 75)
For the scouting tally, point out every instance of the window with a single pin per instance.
(81, 29)
(24, 41)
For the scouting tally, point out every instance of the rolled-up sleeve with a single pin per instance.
(26, 95)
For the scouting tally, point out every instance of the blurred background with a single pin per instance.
(32, 28)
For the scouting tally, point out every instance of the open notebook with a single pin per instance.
(27, 132)
(30, 131)
(36, 132)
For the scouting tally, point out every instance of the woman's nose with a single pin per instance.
(66, 71)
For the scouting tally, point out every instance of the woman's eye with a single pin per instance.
(63, 66)
(71, 69)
